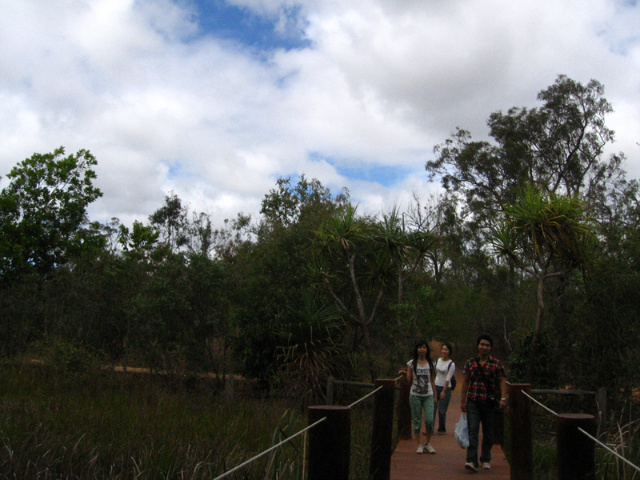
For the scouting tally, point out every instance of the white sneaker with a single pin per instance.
(420, 449)
(470, 466)
(486, 465)
(429, 449)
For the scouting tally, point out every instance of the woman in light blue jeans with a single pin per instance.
(420, 373)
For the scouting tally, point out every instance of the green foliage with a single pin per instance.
(311, 349)
(67, 360)
(539, 227)
(625, 441)
(42, 211)
(545, 367)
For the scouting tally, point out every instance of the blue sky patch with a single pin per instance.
(177, 170)
(386, 175)
(245, 27)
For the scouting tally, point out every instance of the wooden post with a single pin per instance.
(498, 427)
(329, 443)
(403, 410)
(330, 390)
(576, 451)
(601, 402)
(382, 436)
(229, 388)
(521, 432)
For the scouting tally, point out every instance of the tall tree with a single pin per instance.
(558, 147)
(271, 272)
(43, 210)
(545, 235)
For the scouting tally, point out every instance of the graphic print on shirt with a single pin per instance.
(422, 381)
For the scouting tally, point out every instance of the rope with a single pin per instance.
(365, 397)
(613, 452)
(543, 406)
(242, 465)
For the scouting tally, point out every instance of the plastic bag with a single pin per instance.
(462, 431)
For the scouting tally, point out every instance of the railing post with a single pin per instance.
(576, 451)
(382, 436)
(520, 432)
(329, 443)
(229, 388)
(601, 402)
(403, 410)
(330, 390)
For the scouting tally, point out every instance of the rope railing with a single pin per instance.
(609, 449)
(292, 437)
(540, 404)
(370, 394)
(584, 432)
(274, 447)
(362, 399)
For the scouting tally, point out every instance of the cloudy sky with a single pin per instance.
(215, 100)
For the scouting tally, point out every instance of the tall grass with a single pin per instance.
(625, 441)
(108, 426)
(623, 437)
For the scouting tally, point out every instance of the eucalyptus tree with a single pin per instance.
(558, 147)
(171, 222)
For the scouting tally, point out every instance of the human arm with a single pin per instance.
(433, 388)
(451, 370)
(503, 392)
(407, 372)
(463, 391)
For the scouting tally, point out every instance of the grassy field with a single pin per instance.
(107, 425)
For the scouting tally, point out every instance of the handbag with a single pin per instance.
(461, 432)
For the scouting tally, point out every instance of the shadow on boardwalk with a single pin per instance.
(448, 462)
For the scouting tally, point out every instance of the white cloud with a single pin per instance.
(163, 107)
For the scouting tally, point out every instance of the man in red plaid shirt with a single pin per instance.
(481, 377)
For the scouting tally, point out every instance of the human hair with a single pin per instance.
(415, 356)
(448, 345)
(485, 336)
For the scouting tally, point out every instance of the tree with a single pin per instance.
(269, 272)
(558, 147)
(43, 210)
(358, 262)
(171, 222)
(543, 234)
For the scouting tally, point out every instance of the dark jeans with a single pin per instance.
(480, 412)
(443, 405)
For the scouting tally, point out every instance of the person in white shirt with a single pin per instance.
(445, 371)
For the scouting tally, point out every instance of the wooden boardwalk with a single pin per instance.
(448, 461)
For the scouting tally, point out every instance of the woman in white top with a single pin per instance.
(445, 369)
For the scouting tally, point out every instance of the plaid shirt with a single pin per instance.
(492, 369)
